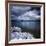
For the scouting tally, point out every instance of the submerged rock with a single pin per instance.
(16, 29)
(21, 35)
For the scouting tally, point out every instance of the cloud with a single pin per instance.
(30, 15)
(18, 9)
(13, 17)
(24, 13)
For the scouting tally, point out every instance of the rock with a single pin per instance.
(15, 29)
(21, 35)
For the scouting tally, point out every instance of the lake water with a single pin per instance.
(32, 26)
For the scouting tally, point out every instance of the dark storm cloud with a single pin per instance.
(18, 10)
(24, 12)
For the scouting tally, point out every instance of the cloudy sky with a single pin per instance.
(24, 12)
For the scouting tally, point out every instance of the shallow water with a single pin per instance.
(31, 26)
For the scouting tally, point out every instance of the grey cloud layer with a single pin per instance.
(24, 13)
